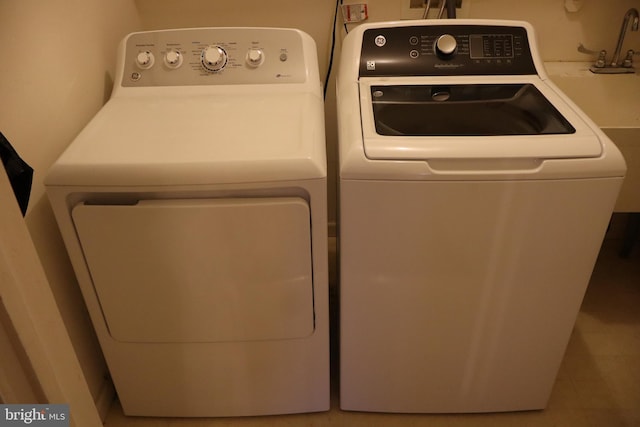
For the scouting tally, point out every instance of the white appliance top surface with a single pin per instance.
(205, 106)
(204, 138)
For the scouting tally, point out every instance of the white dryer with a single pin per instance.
(193, 207)
(474, 197)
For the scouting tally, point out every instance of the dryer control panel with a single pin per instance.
(213, 56)
(439, 50)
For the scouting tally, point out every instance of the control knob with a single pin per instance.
(445, 45)
(213, 58)
(255, 57)
(145, 59)
(173, 58)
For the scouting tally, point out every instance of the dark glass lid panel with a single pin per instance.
(479, 50)
(465, 110)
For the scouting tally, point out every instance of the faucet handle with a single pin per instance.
(628, 60)
(601, 62)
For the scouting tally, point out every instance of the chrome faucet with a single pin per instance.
(615, 67)
(631, 13)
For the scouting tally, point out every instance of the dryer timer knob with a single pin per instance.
(446, 45)
(213, 58)
(145, 59)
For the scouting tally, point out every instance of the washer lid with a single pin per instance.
(471, 120)
(207, 138)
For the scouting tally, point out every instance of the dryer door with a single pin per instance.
(201, 270)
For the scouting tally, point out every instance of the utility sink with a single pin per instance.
(612, 101)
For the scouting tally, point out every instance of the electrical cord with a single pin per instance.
(451, 9)
(333, 47)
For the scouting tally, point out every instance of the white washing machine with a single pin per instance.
(474, 197)
(193, 207)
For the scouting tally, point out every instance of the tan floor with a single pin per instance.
(598, 384)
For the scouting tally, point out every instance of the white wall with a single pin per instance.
(58, 60)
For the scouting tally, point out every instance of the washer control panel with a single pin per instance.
(438, 50)
(213, 56)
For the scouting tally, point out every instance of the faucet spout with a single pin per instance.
(633, 17)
